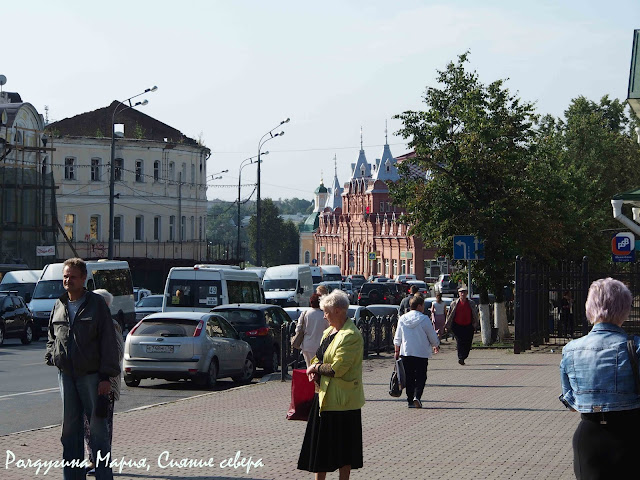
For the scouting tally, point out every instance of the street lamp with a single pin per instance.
(242, 165)
(264, 139)
(112, 174)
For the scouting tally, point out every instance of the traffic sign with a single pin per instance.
(623, 247)
(467, 247)
(372, 255)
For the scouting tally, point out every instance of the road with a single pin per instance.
(30, 398)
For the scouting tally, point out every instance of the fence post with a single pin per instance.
(284, 357)
(583, 297)
(517, 307)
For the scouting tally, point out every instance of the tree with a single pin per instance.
(279, 239)
(474, 144)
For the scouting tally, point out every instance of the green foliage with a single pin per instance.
(474, 144)
(280, 240)
(292, 206)
(99, 133)
(139, 132)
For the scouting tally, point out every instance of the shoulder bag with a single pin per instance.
(296, 341)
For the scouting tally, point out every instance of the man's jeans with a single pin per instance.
(79, 397)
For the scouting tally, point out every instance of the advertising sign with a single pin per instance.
(623, 247)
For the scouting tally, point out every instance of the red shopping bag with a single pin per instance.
(302, 391)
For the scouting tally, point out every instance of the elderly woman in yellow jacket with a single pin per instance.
(333, 439)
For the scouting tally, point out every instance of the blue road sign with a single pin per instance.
(467, 247)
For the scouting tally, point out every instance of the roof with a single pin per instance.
(321, 189)
(136, 125)
(311, 223)
(245, 306)
(629, 196)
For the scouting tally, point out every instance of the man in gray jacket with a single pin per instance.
(82, 344)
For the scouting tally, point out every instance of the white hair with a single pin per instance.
(108, 298)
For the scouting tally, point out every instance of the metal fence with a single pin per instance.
(377, 333)
(539, 316)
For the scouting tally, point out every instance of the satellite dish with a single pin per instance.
(3, 79)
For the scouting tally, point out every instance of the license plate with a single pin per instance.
(159, 349)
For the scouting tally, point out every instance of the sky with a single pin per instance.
(230, 71)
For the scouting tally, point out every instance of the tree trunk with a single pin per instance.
(485, 323)
(500, 316)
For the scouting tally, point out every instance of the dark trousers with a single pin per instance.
(464, 337)
(606, 451)
(415, 369)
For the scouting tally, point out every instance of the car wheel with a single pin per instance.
(273, 366)
(131, 381)
(211, 377)
(248, 371)
(27, 335)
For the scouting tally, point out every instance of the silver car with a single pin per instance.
(186, 345)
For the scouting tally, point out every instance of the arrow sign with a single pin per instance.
(467, 247)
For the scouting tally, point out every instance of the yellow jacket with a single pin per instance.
(343, 391)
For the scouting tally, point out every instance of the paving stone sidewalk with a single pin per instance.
(498, 417)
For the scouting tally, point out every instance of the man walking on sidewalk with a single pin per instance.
(82, 344)
(414, 341)
(462, 320)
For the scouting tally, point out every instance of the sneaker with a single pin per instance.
(412, 404)
(417, 403)
(461, 361)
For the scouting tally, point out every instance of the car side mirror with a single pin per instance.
(300, 290)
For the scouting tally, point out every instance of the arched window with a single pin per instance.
(307, 257)
(172, 172)
(156, 170)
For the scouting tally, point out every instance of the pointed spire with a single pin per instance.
(335, 164)
(321, 177)
(361, 148)
(386, 141)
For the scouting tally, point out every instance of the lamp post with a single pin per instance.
(242, 165)
(264, 139)
(112, 173)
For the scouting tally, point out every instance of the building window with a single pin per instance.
(172, 172)
(200, 228)
(379, 267)
(70, 226)
(94, 227)
(386, 268)
(192, 228)
(403, 267)
(157, 228)
(307, 257)
(70, 168)
(139, 171)
(382, 206)
(139, 228)
(96, 169)
(117, 228)
(156, 170)
(411, 267)
(183, 173)
(193, 174)
(395, 268)
(119, 165)
(172, 228)
(183, 228)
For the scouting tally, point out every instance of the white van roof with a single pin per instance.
(285, 271)
(53, 271)
(22, 276)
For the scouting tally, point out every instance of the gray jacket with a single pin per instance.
(89, 346)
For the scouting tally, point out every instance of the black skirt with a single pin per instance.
(332, 440)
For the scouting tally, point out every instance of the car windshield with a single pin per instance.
(419, 284)
(358, 282)
(166, 327)
(194, 293)
(283, 284)
(22, 288)
(149, 302)
(48, 289)
(241, 317)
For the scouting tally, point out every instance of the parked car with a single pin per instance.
(423, 288)
(405, 278)
(357, 312)
(186, 345)
(373, 292)
(16, 320)
(148, 305)
(357, 281)
(445, 284)
(259, 324)
(347, 288)
(295, 312)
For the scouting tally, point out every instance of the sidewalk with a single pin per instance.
(498, 417)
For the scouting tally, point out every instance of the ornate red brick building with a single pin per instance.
(366, 235)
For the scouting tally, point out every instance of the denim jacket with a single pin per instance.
(596, 372)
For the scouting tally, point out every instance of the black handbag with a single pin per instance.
(396, 384)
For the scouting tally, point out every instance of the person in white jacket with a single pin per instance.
(414, 341)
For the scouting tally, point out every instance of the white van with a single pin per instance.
(22, 281)
(257, 270)
(331, 273)
(112, 275)
(316, 274)
(202, 287)
(288, 285)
